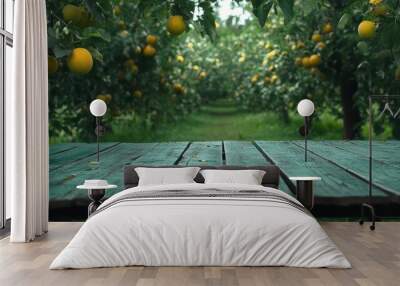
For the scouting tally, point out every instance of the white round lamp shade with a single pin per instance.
(305, 107)
(98, 108)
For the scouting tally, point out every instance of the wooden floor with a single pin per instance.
(375, 257)
(343, 166)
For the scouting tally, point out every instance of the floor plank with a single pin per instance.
(243, 153)
(61, 147)
(203, 154)
(336, 182)
(375, 258)
(63, 181)
(163, 154)
(79, 152)
(385, 172)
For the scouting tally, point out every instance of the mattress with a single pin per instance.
(201, 225)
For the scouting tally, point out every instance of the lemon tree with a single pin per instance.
(158, 61)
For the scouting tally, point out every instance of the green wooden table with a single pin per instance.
(342, 165)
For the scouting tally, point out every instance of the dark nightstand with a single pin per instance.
(96, 191)
(305, 190)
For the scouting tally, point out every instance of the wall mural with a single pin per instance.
(171, 70)
(207, 70)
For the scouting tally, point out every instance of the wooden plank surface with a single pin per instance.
(336, 182)
(63, 181)
(62, 147)
(352, 159)
(243, 153)
(79, 152)
(384, 152)
(202, 154)
(164, 154)
(374, 256)
(70, 164)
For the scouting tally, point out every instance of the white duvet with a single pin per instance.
(200, 231)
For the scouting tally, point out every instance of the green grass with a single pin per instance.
(222, 120)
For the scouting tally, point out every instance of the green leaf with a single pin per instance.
(208, 20)
(344, 21)
(96, 54)
(287, 8)
(51, 38)
(363, 47)
(309, 6)
(60, 52)
(261, 10)
(92, 32)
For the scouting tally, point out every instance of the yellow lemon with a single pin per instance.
(71, 13)
(137, 93)
(327, 28)
(316, 37)
(380, 10)
(306, 62)
(117, 10)
(105, 97)
(149, 51)
(180, 58)
(121, 25)
(131, 66)
(123, 34)
(176, 25)
(178, 88)
(300, 45)
(52, 65)
(85, 20)
(134, 69)
(375, 2)
(129, 63)
(137, 50)
(203, 75)
(320, 46)
(254, 78)
(298, 61)
(315, 60)
(366, 29)
(80, 61)
(76, 15)
(151, 40)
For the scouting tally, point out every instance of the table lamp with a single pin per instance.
(305, 108)
(98, 108)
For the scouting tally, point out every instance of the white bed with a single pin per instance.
(267, 229)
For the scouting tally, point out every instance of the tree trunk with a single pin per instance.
(396, 128)
(351, 113)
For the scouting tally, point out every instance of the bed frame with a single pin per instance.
(270, 179)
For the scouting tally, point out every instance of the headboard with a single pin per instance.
(271, 177)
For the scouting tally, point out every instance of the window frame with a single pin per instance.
(6, 39)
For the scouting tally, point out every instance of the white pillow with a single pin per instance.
(248, 177)
(165, 176)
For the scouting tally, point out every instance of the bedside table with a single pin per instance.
(305, 190)
(96, 191)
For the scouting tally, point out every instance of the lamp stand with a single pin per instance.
(305, 138)
(97, 137)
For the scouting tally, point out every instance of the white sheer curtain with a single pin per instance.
(27, 124)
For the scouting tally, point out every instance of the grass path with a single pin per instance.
(222, 120)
